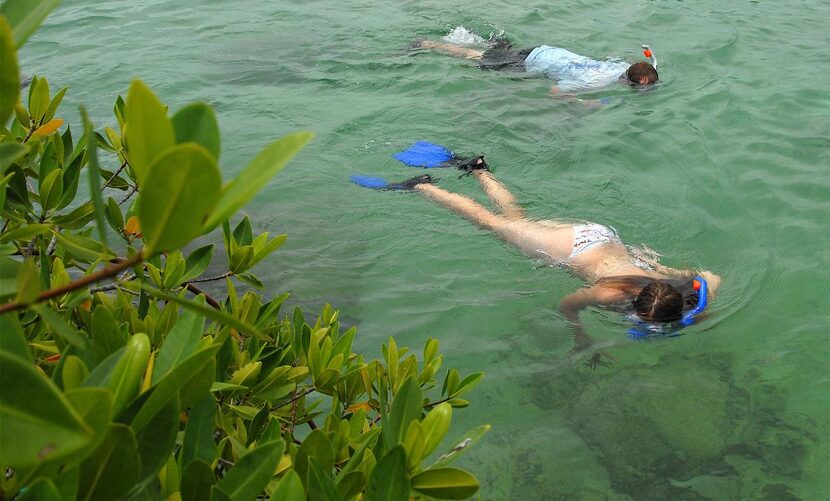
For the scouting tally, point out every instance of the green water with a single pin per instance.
(723, 166)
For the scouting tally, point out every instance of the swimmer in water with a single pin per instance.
(572, 72)
(616, 279)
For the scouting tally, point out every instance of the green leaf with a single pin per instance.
(9, 76)
(39, 424)
(406, 407)
(351, 484)
(60, 327)
(181, 342)
(51, 190)
(197, 262)
(73, 372)
(445, 483)
(389, 480)
(113, 468)
(148, 132)
(186, 178)
(290, 488)
(77, 218)
(463, 445)
(38, 99)
(83, 248)
(127, 374)
(320, 484)
(211, 313)
(94, 177)
(106, 334)
(255, 176)
(13, 341)
(197, 479)
(169, 385)
(26, 232)
(196, 123)
(11, 153)
(28, 282)
(198, 435)
(158, 439)
(42, 489)
(249, 476)
(25, 16)
(9, 269)
(318, 446)
(435, 427)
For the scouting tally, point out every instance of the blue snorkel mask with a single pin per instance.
(643, 329)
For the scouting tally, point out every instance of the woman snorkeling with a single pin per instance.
(652, 294)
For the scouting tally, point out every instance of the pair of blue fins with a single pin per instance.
(425, 155)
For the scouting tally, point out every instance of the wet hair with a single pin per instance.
(638, 71)
(657, 300)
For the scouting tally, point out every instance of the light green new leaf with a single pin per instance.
(127, 374)
(113, 468)
(181, 342)
(148, 130)
(25, 232)
(406, 407)
(255, 176)
(389, 480)
(435, 426)
(9, 74)
(467, 440)
(290, 488)
(445, 483)
(197, 262)
(38, 424)
(83, 248)
(25, 16)
(180, 191)
(196, 123)
(249, 476)
(51, 190)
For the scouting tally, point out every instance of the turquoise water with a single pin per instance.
(723, 166)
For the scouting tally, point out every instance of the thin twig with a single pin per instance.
(85, 281)
(296, 396)
(210, 300)
(114, 175)
(210, 279)
(131, 193)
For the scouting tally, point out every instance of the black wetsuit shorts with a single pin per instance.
(502, 58)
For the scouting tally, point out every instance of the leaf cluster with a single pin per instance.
(134, 366)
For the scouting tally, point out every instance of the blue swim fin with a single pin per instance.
(375, 183)
(378, 183)
(424, 154)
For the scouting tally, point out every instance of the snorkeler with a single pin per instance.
(653, 295)
(572, 72)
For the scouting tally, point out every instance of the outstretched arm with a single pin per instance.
(573, 303)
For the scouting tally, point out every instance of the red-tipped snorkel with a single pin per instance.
(650, 55)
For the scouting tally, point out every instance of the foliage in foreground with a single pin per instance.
(122, 378)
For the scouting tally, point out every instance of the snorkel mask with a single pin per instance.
(650, 55)
(645, 329)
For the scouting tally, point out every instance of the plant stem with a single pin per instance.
(211, 279)
(82, 282)
(114, 175)
(294, 398)
(210, 300)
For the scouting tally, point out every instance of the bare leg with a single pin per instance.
(499, 194)
(461, 205)
(451, 49)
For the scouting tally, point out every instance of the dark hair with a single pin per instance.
(657, 300)
(637, 71)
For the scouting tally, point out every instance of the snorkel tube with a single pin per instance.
(650, 55)
(644, 329)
